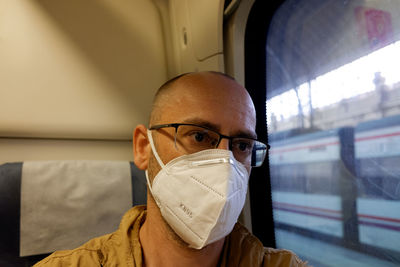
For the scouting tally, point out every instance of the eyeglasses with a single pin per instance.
(191, 138)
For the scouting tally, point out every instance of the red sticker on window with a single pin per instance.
(379, 27)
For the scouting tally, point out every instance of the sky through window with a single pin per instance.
(350, 80)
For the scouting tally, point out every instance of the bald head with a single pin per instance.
(201, 88)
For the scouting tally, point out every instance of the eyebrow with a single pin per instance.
(217, 128)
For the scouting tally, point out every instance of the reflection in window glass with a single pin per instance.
(333, 115)
(355, 80)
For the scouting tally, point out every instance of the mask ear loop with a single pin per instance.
(153, 148)
(148, 182)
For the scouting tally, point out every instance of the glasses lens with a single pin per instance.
(242, 149)
(192, 139)
(258, 154)
(249, 151)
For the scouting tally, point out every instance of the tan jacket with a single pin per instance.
(122, 248)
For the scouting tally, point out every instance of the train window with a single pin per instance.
(333, 117)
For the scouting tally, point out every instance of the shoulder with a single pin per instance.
(281, 257)
(111, 248)
(89, 254)
(244, 249)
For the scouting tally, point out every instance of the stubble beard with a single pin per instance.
(153, 170)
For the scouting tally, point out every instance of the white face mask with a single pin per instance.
(200, 195)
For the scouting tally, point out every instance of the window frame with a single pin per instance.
(256, 37)
(256, 33)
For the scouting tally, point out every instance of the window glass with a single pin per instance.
(333, 116)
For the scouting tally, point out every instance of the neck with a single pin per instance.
(162, 247)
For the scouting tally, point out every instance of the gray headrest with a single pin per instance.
(66, 203)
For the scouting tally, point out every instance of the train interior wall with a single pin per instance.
(77, 76)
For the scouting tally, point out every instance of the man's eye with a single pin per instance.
(203, 138)
(199, 136)
(243, 146)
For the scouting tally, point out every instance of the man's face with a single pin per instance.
(204, 99)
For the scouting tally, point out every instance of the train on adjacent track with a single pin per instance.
(342, 185)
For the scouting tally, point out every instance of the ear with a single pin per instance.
(141, 147)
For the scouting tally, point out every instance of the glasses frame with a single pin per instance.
(221, 136)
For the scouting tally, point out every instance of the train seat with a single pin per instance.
(53, 205)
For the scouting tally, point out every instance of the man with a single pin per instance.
(197, 152)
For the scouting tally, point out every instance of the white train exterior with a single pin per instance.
(377, 151)
(341, 185)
